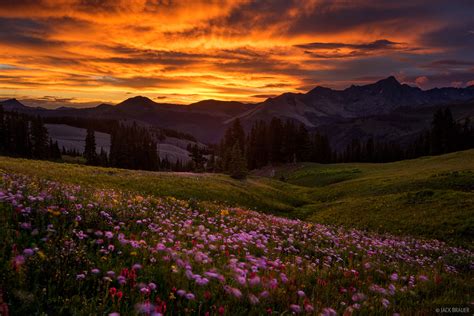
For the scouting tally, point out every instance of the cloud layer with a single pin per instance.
(184, 51)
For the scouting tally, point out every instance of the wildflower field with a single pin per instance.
(69, 249)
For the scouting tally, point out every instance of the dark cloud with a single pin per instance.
(375, 45)
(37, 33)
(276, 85)
(25, 33)
(451, 62)
(332, 55)
(264, 96)
(457, 36)
(448, 65)
(446, 79)
(136, 56)
(335, 17)
(131, 55)
(325, 17)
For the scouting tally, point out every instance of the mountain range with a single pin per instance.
(385, 110)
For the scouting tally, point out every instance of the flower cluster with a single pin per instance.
(118, 253)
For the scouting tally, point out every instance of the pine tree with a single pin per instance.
(275, 137)
(238, 134)
(54, 152)
(443, 132)
(90, 148)
(303, 145)
(289, 142)
(39, 139)
(237, 166)
(369, 149)
(211, 163)
(178, 166)
(102, 158)
(133, 147)
(197, 156)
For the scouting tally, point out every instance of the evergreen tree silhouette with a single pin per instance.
(90, 148)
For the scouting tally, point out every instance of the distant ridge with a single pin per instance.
(385, 108)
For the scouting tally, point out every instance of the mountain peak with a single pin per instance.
(389, 81)
(319, 89)
(12, 103)
(137, 100)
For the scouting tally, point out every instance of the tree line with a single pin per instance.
(133, 147)
(269, 143)
(26, 136)
(445, 135)
(286, 141)
(266, 143)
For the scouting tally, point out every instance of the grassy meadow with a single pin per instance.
(430, 197)
(73, 242)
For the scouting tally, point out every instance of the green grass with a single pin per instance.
(256, 193)
(429, 197)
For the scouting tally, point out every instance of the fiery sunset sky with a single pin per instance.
(83, 52)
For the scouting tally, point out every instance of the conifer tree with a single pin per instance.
(197, 157)
(237, 166)
(54, 152)
(211, 163)
(102, 158)
(39, 139)
(90, 148)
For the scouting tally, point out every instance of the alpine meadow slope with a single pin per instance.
(430, 197)
(111, 241)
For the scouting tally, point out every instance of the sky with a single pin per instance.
(84, 52)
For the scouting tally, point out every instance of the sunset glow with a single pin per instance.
(84, 52)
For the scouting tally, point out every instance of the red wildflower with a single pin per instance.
(124, 272)
(112, 291)
(161, 308)
(322, 282)
(221, 310)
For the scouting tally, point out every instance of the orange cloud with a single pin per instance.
(185, 51)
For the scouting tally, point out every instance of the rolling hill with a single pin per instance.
(430, 197)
